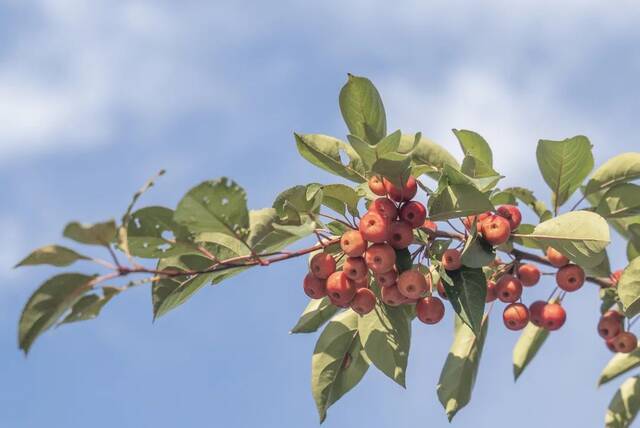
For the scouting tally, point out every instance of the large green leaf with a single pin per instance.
(619, 365)
(467, 293)
(622, 200)
(324, 152)
(268, 235)
(362, 109)
(633, 250)
(340, 198)
(457, 200)
(528, 345)
(619, 169)
(48, 303)
(339, 362)
(527, 197)
(477, 252)
(153, 233)
(461, 367)
(55, 255)
(317, 312)
(428, 156)
(215, 206)
(580, 235)
(629, 288)
(91, 234)
(298, 204)
(564, 165)
(624, 406)
(393, 166)
(385, 333)
(473, 144)
(484, 176)
(90, 305)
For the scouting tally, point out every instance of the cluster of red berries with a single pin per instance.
(371, 249)
(611, 329)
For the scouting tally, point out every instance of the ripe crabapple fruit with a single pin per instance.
(413, 213)
(322, 265)
(380, 258)
(613, 314)
(609, 327)
(340, 289)
(430, 310)
(570, 277)
(315, 288)
(428, 224)
(355, 268)
(492, 291)
(556, 258)
(509, 288)
(515, 316)
(412, 284)
(495, 230)
(528, 274)
(374, 227)
(377, 186)
(625, 342)
(386, 279)
(553, 316)
(362, 282)
(468, 221)
(535, 312)
(364, 301)
(400, 235)
(391, 295)
(609, 343)
(384, 207)
(352, 243)
(615, 277)
(512, 214)
(406, 193)
(451, 259)
(441, 291)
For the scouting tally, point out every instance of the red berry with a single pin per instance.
(512, 214)
(340, 289)
(380, 258)
(468, 221)
(451, 259)
(430, 310)
(386, 279)
(401, 234)
(609, 327)
(430, 225)
(535, 312)
(314, 287)
(615, 277)
(377, 186)
(413, 213)
(384, 207)
(322, 265)
(625, 342)
(570, 277)
(492, 291)
(412, 284)
(553, 316)
(353, 244)
(406, 193)
(556, 258)
(374, 227)
(441, 291)
(391, 295)
(509, 288)
(355, 268)
(528, 274)
(495, 230)
(364, 301)
(515, 316)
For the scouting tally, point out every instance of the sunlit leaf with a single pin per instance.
(91, 234)
(317, 312)
(624, 405)
(54, 255)
(362, 109)
(619, 365)
(325, 152)
(619, 169)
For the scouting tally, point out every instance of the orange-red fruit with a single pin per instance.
(355, 268)
(387, 278)
(625, 342)
(374, 227)
(512, 214)
(430, 310)
(340, 289)
(322, 265)
(615, 277)
(609, 327)
(384, 207)
(353, 243)
(413, 213)
(535, 312)
(362, 282)
(412, 284)
(613, 314)
(392, 296)
(515, 316)
(380, 258)
(529, 274)
(315, 288)
(364, 301)
(406, 193)
(509, 288)
(556, 258)
(609, 343)
(377, 186)
(400, 235)
(492, 291)
(428, 224)
(553, 316)
(468, 221)
(570, 277)
(451, 259)
(495, 230)
(441, 291)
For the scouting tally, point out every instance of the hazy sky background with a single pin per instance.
(96, 96)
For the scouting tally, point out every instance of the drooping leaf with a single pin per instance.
(317, 312)
(393, 166)
(622, 200)
(484, 176)
(629, 288)
(501, 197)
(389, 144)
(385, 333)
(324, 152)
(298, 204)
(366, 151)
(528, 345)
(473, 144)
(362, 109)
(633, 250)
(619, 169)
(54, 255)
(580, 235)
(339, 361)
(403, 260)
(90, 305)
(467, 292)
(153, 233)
(268, 235)
(608, 298)
(457, 200)
(602, 269)
(527, 197)
(339, 197)
(564, 165)
(619, 365)
(624, 405)
(459, 373)
(477, 252)
(427, 155)
(48, 303)
(91, 234)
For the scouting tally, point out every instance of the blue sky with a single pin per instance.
(97, 96)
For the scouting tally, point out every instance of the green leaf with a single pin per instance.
(48, 303)
(298, 204)
(619, 169)
(564, 165)
(622, 200)
(385, 333)
(523, 230)
(633, 250)
(477, 252)
(474, 145)
(52, 255)
(389, 144)
(484, 176)
(91, 234)
(527, 197)
(268, 235)
(457, 200)
(366, 151)
(339, 362)
(362, 109)
(528, 345)
(427, 155)
(403, 260)
(467, 293)
(90, 305)
(580, 235)
(501, 197)
(324, 152)
(608, 297)
(393, 166)
(153, 233)
(624, 406)
(339, 197)
(461, 367)
(629, 288)
(619, 365)
(603, 269)
(317, 312)
(215, 206)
